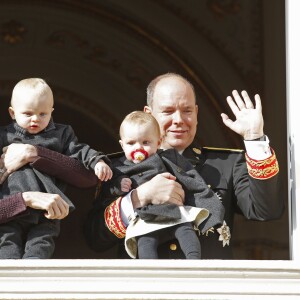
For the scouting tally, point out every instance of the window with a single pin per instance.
(134, 279)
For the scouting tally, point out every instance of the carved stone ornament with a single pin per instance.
(13, 32)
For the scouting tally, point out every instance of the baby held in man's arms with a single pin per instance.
(154, 224)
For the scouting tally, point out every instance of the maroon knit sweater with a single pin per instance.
(55, 164)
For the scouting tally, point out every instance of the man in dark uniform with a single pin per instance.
(245, 182)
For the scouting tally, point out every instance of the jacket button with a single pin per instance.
(173, 247)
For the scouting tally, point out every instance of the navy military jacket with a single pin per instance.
(225, 171)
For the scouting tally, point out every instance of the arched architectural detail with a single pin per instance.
(107, 39)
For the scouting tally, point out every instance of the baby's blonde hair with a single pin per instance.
(36, 85)
(140, 118)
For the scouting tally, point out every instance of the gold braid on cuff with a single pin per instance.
(263, 169)
(113, 219)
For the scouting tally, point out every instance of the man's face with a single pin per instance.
(175, 109)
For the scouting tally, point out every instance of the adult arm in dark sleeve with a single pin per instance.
(257, 191)
(15, 205)
(11, 207)
(48, 161)
(104, 227)
(257, 188)
(68, 169)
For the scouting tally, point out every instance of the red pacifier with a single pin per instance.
(139, 155)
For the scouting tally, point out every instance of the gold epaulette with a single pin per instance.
(115, 154)
(222, 149)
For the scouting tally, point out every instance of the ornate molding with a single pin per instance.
(99, 10)
(12, 32)
(222, 12)
(99, 55)
(135, 73)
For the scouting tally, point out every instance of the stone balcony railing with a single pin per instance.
(149, 279)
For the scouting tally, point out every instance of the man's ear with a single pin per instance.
(147, 109)
(121, 143)
(11, 112)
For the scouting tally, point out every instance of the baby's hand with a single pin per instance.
(125, 184)
(103, 171)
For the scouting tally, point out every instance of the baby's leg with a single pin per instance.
(40, 240)
(188, 240)
(147, 246)
(11, 246)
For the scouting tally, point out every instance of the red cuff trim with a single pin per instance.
(113, 220)
(262, 169)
